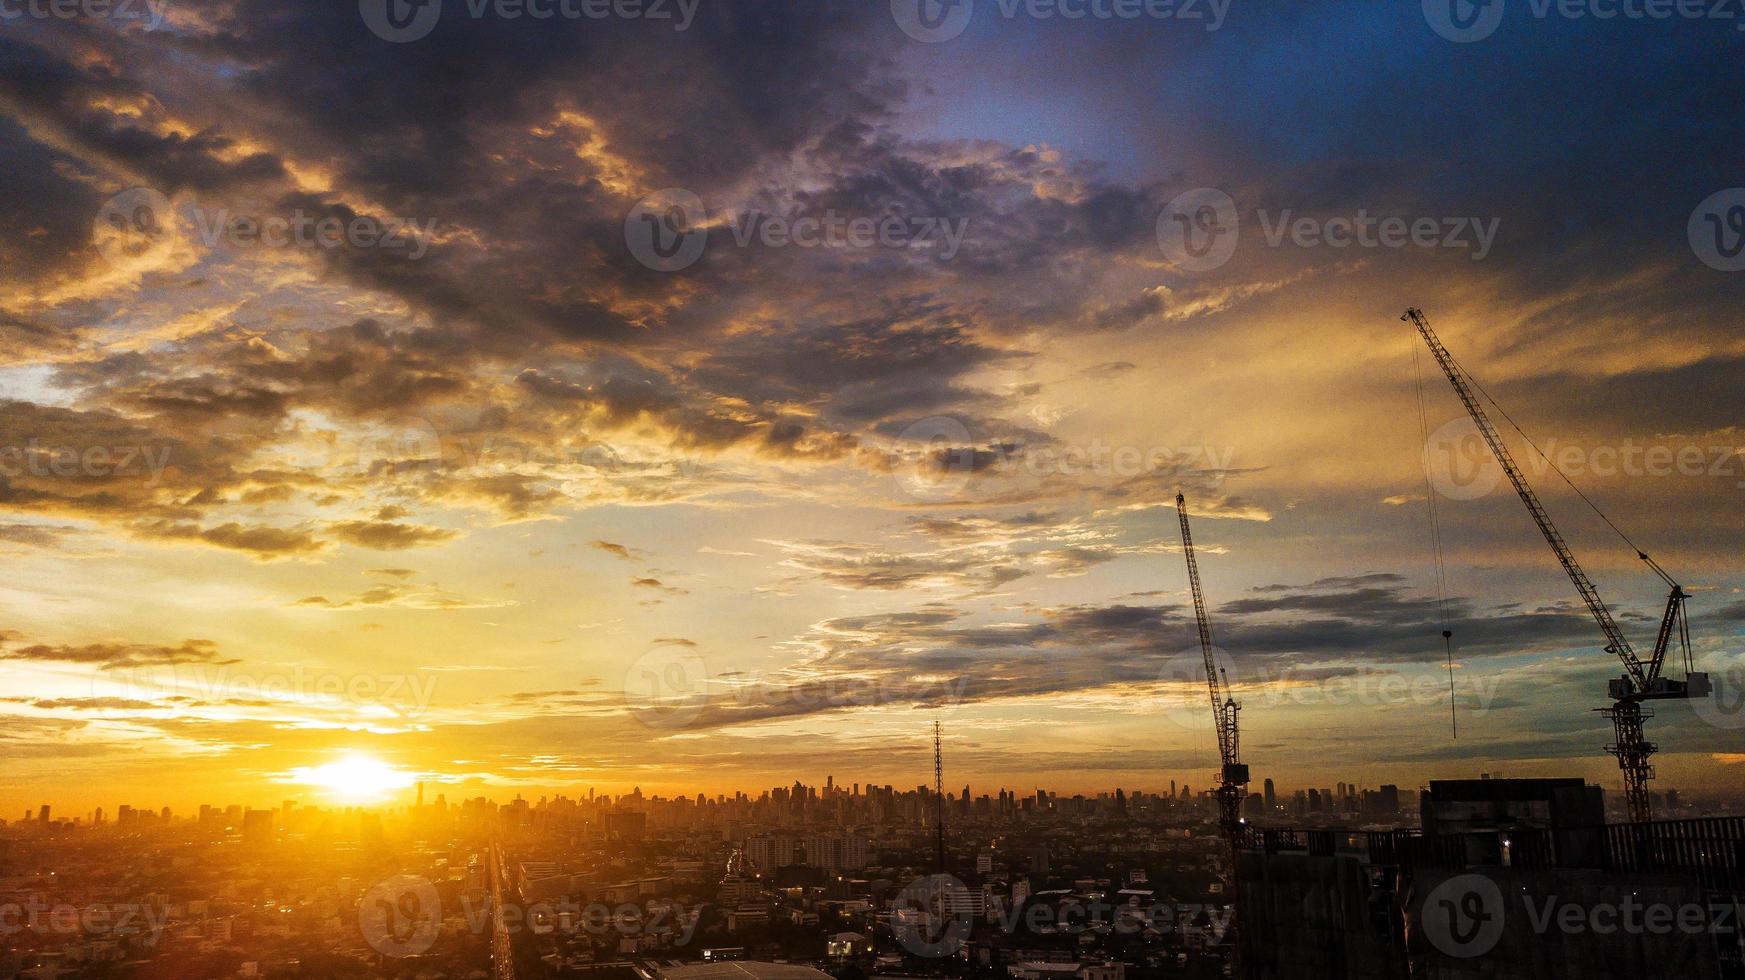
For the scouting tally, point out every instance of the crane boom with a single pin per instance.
(1223, 708)
(1615, 641)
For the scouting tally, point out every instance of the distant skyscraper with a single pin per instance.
(257, 826)
(1271, 797)
(1388, 799)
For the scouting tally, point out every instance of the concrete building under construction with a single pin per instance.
(1505, 878)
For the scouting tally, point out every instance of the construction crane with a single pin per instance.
(1233, 774)
(1642, 680)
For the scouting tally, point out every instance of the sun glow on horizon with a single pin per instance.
(355, 778)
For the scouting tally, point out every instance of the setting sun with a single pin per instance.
(354, 778)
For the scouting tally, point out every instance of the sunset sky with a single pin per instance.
(499, 504)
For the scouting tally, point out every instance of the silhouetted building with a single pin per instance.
(1507, 879)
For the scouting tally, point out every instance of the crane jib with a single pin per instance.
(1615, 640)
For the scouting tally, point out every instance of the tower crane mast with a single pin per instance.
(1642, 680)
(1233, 773)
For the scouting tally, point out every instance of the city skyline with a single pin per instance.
(428, 793)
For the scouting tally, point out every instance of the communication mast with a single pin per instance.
(938, 802)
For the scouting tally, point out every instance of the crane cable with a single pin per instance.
(1559, 471)
(1436, 545)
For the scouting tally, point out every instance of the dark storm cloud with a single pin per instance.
(767, 110)
(854, 372)
(45, 222)
(388, 535)
(120, 655)
(934, 655)
(263, 541)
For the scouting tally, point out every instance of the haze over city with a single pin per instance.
(476, 491)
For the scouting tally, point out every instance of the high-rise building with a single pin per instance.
(626, 825)
(1271, 797)
(257, 826)
(767, 852)
(836, 852)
